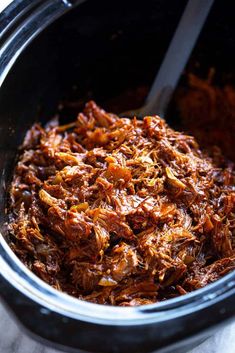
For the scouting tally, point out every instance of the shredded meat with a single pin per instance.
(121, 211)
(208, 112)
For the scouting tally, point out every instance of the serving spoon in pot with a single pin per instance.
(176, 57)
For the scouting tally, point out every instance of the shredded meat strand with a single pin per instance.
(121, 211)
(208, 112)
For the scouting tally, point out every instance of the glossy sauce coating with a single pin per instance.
(121, 211)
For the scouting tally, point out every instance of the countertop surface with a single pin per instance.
(4, 3)
(13, 340)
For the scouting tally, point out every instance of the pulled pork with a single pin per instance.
(121, 211)
(207, 112)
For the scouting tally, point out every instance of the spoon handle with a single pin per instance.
(176, 57)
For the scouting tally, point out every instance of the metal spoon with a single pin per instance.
(175, 59)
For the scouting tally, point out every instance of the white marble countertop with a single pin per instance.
(4, 3)
(12, 340)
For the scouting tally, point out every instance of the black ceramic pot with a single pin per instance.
(52, 51)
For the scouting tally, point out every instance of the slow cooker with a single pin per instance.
(54, 51)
